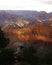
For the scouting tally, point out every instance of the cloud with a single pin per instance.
(46, 1)
(39, 5)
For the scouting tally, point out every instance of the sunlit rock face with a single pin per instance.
(31, 33)
(17, 24)
(22, 22)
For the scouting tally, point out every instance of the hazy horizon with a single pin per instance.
(24, 11)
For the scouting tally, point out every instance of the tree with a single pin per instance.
(3, 40)
(28, 56)
(6, 55)
(48, 58)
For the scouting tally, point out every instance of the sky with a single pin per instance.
(39, 5)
